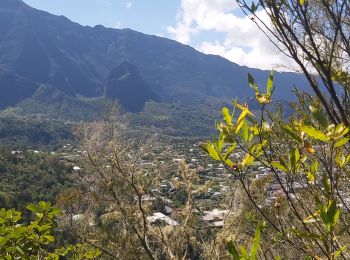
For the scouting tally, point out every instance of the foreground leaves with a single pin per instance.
(31, 241)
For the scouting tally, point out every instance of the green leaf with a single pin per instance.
(345, 131)
(244, 253)
(18, 231)
(312, 218)
(229, 162)
(247, 160)
(311, 177)
(44, 205)
(92, 254)
(233, 251)
(315, 133)
(252, 83)
(227, 116)
(314, 166)
(243, 108)
(317, 200)
(242, 116)
(347, 159)
(240, 122)
(341, 142)
(11, 249)
(219, 144)
(48, 239)
(333, 212)
(295, 156)
(319, 116)
(340, 159)
(256, 242)
(337, 253)
(269, 83)
(279, 166)
(341, 130)
(326, 183)
(3, 241)
(55, 211)
(53, 256)
(209, 148)
(287, 129)
(245, 132)
(325, 219)
(35, 208)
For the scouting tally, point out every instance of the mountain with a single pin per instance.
(38, 48)
(126, 85)
(14, 88)
(47, 100)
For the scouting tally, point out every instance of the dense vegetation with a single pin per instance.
(33, 240)
(26, 177)
(31, 133)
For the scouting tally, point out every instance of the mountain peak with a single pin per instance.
(126, 85)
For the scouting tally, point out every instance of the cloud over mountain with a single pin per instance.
(242, 41)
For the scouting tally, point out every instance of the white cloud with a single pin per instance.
(128, 4)
(181, 32)
(244, 43)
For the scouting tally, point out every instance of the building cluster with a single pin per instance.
(210, 202)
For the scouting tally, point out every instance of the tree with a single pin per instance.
(316, 35)
(122, 176)
(307, 157)
(32, 241)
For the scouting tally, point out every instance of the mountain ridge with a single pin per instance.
(77, 60)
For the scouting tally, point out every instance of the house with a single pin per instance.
(83, 218)
(261, 176)
(158, 216)
(76, 168)
(215, 215)
(218, 223)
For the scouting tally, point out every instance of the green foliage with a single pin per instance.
(48, 102)
(243, 252)
(262, 98)
(177, 119)
(308, 150)
(32, 241)
(78, 251)
(23, 133)
(27, 177)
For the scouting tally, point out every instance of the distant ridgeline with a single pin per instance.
(49, 59)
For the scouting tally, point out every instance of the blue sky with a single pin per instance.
(150, 17)
(210, 26)
(147, 16)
